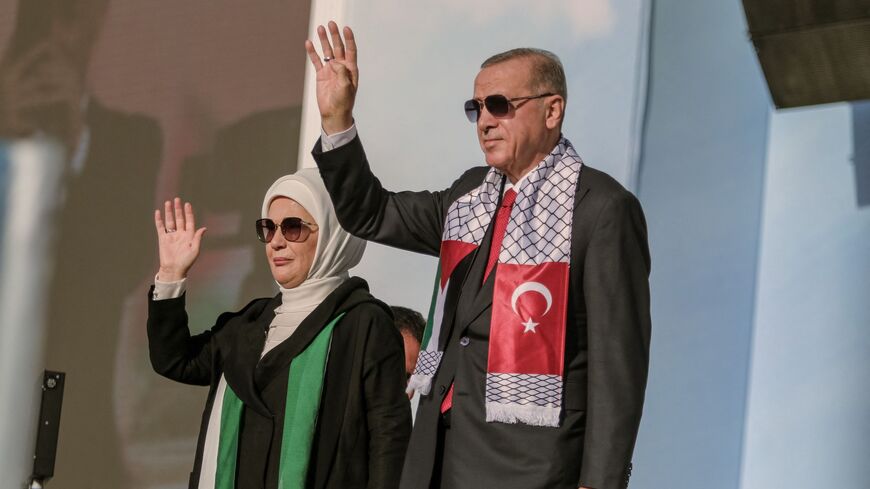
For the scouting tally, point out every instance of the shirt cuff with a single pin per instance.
(328, 142)
(168, 290)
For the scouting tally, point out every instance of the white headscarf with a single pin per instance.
(337, 251)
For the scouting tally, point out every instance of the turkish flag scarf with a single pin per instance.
(530, 298)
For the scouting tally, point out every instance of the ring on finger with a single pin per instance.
(327, 59)
(170, 230)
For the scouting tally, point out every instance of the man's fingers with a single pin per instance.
(313, 56)
(337, 44)
(324, 42)
(342, 72)
(350, 45)
(350, 53)
(337, 68)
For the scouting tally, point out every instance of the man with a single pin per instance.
(411, 325)
(535, 362)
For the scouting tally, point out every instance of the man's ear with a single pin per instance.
(555, 112)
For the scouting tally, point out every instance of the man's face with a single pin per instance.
(412, 350)
(519, 139)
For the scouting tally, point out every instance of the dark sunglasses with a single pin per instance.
(497, 105)
(293, 229)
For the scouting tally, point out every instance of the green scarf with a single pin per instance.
(304, 389)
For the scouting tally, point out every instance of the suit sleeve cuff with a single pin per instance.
(168, 290)
(328, 142)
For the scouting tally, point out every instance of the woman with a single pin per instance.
(307, 387)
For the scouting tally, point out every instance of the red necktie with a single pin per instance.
(501, 220)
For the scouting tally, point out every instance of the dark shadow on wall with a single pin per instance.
(861, 152)
(122, 425)
(225, 182)
(232, 178)
(100, 252)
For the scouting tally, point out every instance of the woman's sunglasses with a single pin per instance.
(293, 229)
(497, 105)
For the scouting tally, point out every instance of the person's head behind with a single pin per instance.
(517, 141)
(411, 324)
(303, 239)
(70, 27)
(43, 71)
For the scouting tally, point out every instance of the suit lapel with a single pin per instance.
(582, 189)
(477, 296)
(482, 301)
(454, 294)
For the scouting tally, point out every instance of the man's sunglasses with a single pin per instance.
(497, 105)
(293, 229)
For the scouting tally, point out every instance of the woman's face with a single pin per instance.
(290, 262)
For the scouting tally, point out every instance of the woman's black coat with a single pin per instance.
(364, 420)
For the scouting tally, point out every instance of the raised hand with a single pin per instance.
(178, 239)
(337, 77)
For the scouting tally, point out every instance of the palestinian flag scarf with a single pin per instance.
(304, 388)
(530, 298)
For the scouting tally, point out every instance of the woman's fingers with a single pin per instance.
(197, 237)
(179, 215)
(189, 222)
(177, 237)
(169, 225)
(158, 222)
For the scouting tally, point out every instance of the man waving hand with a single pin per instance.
(534, 362)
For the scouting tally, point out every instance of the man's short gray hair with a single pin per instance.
(547, 71)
